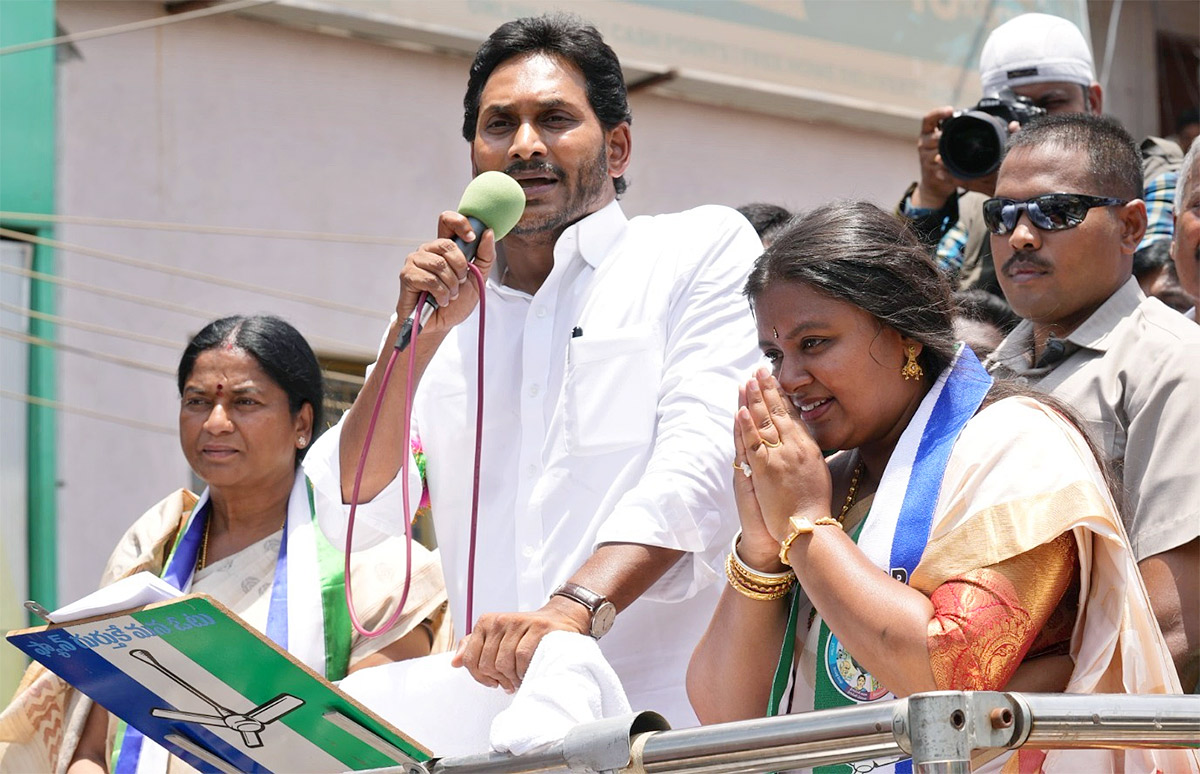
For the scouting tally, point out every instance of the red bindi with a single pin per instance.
(220, 387)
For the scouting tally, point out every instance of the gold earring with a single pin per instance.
(912, 369)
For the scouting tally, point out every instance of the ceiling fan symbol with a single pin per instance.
(249, 724)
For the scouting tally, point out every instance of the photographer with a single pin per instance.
(1045, 60)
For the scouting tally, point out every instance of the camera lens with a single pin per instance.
(972, 143)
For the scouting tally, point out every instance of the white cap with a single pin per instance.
(1035, 48)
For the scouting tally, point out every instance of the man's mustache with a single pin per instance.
(1026, 259)
(535, 166)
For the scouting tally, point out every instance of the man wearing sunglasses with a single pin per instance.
(1045, 59)
(1065, 222)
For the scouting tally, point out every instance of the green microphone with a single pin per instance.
(492, 200)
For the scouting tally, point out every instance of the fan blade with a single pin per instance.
(275, 708)
(188, 717)
(251, 739)
(146, 657)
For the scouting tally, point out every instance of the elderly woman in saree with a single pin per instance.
(962, 537)
(250, 407)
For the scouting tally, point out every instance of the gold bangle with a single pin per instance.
(748, 572)
(759, 583)
(758, 587)
(750, 591)
(828, 521)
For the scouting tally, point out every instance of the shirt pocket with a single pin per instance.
(611, 394)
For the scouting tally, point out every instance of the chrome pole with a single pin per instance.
(840, 735)
(760, 745)
(1067, 721)
(549, 761)
(938, 729)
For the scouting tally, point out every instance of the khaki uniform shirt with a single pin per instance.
(1132, 370)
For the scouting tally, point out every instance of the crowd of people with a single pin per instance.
(967, 463)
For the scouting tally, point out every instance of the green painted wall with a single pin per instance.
(27, 163)
(27, 137)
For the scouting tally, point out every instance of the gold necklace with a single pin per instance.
(204, 546)
(204, 542)
(858, 469)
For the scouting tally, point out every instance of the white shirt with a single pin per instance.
(620, 433)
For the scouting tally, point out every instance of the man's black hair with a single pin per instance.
(1152, 257)
(1114, 162)
(568, 38)
(1187, 118)
(767, 219)
(980, 305)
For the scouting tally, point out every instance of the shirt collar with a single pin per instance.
(1094, 332)
(1016, 351)
(594, 236)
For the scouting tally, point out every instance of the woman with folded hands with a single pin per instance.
(963, 536)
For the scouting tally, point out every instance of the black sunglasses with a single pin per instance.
(1049, 212)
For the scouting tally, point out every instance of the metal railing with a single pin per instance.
(939, 730)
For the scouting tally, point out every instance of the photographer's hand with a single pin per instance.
(937, 184)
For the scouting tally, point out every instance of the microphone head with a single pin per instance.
(496, 199)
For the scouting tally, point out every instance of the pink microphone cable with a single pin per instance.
(404, 469)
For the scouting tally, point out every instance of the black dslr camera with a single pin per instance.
(973, 140)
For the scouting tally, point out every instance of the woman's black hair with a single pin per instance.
(279, 349)
(855, 252)
(569, 38)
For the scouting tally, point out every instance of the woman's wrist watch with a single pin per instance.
(603, 612)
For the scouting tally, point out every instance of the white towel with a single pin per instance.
(568, 682)
(435, 704)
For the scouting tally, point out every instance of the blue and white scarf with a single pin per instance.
(307, 613)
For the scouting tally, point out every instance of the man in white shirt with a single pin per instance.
(614, 348)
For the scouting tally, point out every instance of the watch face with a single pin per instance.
(602, 619)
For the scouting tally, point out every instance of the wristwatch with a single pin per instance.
(603, 612)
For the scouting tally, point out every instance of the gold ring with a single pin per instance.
(745, 468)
(770, 445)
